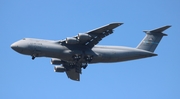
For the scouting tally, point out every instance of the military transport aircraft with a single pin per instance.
(74, 53)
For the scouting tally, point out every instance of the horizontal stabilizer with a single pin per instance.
(158, 30)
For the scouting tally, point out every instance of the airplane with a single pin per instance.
(74, 53)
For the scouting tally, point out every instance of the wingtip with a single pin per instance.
(167, 26)
(121, 23)
(117, 23)
(114, 25)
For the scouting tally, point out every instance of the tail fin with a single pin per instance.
(152, 39)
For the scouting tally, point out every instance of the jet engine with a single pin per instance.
(59, 69)
(83, 37)
(56, 61)
(71, 40)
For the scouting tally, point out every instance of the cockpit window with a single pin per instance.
(24, 38)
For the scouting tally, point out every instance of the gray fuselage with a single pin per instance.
(56, 49)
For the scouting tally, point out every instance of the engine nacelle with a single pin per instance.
(56, 61)
(83, 37)
(59, 69)
(70, 40)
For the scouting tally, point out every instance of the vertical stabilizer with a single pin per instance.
(152, 39)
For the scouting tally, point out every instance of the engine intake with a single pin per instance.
(56, 61)
(83, 37)
(59, 69)
(70, 40)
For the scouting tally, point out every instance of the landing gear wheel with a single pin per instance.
(88, 58)
(33, 57)
(77, 57)
(84, 65)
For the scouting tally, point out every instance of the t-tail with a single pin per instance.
(152, 39)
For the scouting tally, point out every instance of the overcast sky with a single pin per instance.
(151, 78)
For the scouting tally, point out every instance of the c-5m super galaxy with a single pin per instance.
(74, 53)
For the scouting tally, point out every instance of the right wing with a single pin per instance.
(92, 37)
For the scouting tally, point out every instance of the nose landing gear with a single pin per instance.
(33, 57)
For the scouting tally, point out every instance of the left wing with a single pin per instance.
(92, 37)
(72, 74)
(73, 70)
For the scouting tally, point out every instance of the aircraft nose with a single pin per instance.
(14, 46)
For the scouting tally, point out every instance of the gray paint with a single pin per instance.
(152, 39)
(80, 50)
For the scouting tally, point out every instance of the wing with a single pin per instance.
(72, 74)
(92, 37)
(73, 70)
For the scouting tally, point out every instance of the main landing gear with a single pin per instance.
(79, 63)
(88, 58)
(84, 65)
(76, 57)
